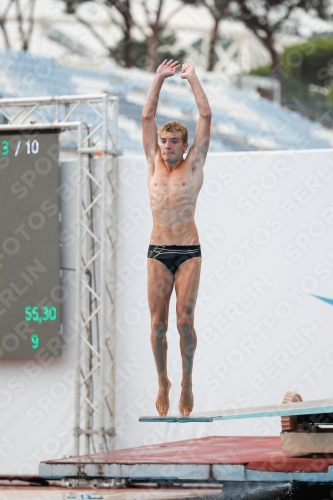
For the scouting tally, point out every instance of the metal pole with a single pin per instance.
(103, 278)
(87, 361)
(113, 232)
(78, 290)
(71, 99)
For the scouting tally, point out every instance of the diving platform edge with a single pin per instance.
(320, 406)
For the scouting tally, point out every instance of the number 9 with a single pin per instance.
(34, 341)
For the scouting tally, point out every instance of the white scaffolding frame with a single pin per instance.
(94, 119)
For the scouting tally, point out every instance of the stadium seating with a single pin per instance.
(242, 120)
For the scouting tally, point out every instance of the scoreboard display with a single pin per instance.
(30, 291)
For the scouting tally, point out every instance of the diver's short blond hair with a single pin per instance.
(176, 127)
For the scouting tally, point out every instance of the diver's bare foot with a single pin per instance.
(186, 401)
(162, 400)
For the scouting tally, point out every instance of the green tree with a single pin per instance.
(267, 17)
(154, 27)
(139, 54)
(23, 13)
(3, 22)
(218, 9)
(310, 62)
(119, 13)
(152, 24)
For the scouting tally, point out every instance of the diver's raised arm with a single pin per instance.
(149, 127)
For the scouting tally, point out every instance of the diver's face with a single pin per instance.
(172, 147)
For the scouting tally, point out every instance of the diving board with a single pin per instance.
(318, 407)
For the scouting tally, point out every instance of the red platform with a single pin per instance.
(217, 459)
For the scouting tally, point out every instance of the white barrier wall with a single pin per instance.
(265, 223)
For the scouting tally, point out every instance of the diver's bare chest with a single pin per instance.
(181, 183)
(175, 191)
